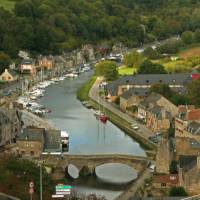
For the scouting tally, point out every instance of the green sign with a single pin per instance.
(62, 187)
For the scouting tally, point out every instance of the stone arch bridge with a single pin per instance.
(92, 161)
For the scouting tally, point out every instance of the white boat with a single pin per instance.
(71, 75)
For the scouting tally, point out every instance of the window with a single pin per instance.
(160, 81)
(163, 184)
(32, 153)
(147, 81)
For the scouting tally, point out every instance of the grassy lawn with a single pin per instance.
(124, 70)
(83, 91)
(7, 4)
(178, 66)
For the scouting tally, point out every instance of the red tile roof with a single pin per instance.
(193, 114)
(168, 179)
(184, 108)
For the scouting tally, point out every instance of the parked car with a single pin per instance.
(135, 126)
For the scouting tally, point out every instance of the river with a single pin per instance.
(87, 135)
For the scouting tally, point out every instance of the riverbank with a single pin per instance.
(125, 126)
(83, 91)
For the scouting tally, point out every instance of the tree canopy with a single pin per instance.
(108, 69)
(54, 26)
(133, 59)
(148, 67)
(193, 92)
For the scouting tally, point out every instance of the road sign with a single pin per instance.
(63, 193)
(31, 190)
(57, 196)
(31, 185)
(62, 187)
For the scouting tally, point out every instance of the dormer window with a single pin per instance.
(127, 81)
(147, 81)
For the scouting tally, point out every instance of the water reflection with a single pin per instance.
(115, 173)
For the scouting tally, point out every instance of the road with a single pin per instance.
(94, 94)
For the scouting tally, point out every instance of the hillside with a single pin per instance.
(53, 26)
(7, 4)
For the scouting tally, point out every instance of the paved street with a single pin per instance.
(94, 94)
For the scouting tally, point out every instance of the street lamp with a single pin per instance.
(40, 165)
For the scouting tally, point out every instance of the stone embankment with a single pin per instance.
(30, 119)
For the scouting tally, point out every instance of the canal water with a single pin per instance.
(87, 135)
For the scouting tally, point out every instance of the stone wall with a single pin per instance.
(29, 148)
(163, 157)
(183, 147)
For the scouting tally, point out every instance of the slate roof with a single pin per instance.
(187, 161)
(142, 92)
(194, 128)
(149, 79)
(52, 141)
(27, 61)
(152, 98)
(194, 143)
(32, 134)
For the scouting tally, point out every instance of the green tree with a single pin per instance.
(173, 167)
(108, 69)
(133, 59)
(187, 37)
(4, 61)
(172, 96)
(151, 53)
(147, 67)
(177, 192)
(193, 92)
(170, 47)
(197, 35)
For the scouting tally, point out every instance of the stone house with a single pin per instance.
(35, 141)
(28, 67)
(166, 181)
(187, 131)
(131, 98)
(46, 62)
(88, 52)
(10, 125)
(31, 142)
(189, 173)
(157, 112)
(8, 75)
(158, 119)
(177, 82)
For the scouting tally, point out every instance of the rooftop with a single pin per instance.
(187, 161)
(149, 79)
(32, 134)
(169, 179)
(194, 128)
(142, 92)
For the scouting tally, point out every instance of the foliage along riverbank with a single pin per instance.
(15, 176)
(83, 91)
